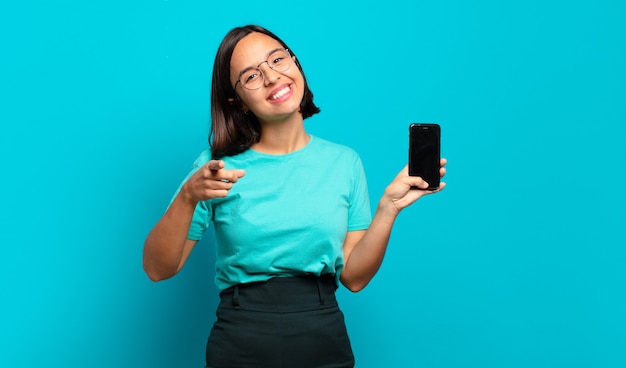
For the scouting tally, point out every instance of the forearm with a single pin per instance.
(164, 247)
(367, 255)
(364, 256)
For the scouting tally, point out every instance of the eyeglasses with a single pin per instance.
(253, 78)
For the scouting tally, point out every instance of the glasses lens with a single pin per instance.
(251, 78)
(279, 60)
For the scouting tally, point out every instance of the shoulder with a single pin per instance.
(335, 149)
(203, 158)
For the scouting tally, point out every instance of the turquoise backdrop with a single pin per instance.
(520, 262)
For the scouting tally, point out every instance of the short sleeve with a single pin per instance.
(359, 211)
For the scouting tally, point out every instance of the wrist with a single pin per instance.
(186, 197)
(388, 209)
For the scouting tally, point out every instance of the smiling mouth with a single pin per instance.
(280, 93)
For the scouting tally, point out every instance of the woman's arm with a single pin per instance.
(364, 250)
(166, 248)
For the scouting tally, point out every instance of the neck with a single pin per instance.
(282, 137)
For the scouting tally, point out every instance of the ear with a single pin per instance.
(230, 100)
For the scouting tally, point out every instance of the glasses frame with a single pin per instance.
(261, 72)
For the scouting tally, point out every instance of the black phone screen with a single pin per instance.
(424, 153)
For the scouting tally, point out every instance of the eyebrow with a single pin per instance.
(259, 64)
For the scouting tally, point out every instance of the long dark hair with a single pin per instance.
(232, 130)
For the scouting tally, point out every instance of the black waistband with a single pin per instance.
(282, 294)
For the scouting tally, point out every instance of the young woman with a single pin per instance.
(290, 211)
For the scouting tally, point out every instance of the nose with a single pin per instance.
(269, 75)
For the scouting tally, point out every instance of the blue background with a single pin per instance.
(520, 262)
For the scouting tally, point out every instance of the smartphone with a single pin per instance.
(424, 152)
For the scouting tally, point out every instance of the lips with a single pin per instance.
(281, 93)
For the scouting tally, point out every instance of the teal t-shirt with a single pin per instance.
(288, 215)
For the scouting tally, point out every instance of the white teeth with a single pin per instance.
(280, 93)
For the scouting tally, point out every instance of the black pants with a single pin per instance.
(290, 322)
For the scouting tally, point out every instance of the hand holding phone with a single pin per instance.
(425, 153)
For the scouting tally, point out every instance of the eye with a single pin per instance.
(277, 60)
(250, 76)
